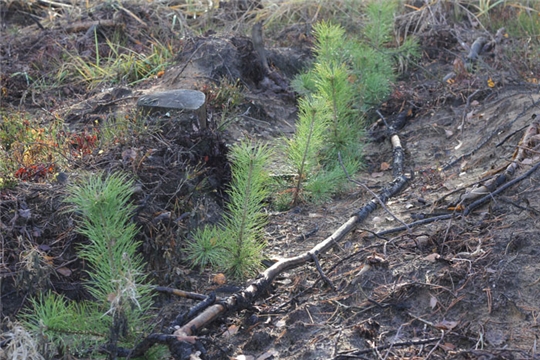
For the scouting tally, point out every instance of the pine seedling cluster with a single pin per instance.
(329, 123)
(116, 274)
(236, 245)
(348, 77)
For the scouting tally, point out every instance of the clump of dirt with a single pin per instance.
(461, 287)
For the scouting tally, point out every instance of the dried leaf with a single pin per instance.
(44, 247)
(233, 329)
(433, 302)
(432, 257)
(376, 220)
(446, 325)
(448, 346)
(129, 155)
(422, 240)
(385, 166)
(48, 259)
(219, 279)
(64, 271)
(165, 215)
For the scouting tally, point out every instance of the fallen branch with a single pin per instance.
(468, 209)
(86, 25)
(490, 196)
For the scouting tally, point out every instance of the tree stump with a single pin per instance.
(182, 103)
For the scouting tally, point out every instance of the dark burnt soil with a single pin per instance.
(465, 287)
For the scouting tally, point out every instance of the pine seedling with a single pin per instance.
(245, 219)
(236, 245)
(380, 22)
(116, 272)
(346, 125)
(374, 60)
(374, 71)
(328, 123)
(115, 267)
(330, 41)
(68, 325)
(303, 148)
(347, 79)
(334, 88)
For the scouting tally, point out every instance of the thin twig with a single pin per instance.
(464, 115)
(321, 272)
(382, 118)
(436, 345)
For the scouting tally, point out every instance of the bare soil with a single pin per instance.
(465, 287)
